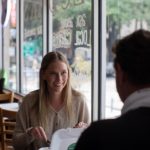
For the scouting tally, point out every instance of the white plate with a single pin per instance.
(64, 139)
(45, 148)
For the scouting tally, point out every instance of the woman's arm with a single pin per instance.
(21, 138)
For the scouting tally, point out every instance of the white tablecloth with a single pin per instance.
(10, 106)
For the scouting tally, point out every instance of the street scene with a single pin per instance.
(113, 103)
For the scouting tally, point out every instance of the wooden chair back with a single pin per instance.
(7, 125)
(7, 97)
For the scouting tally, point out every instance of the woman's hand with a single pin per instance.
(37, 133)
(81, 125)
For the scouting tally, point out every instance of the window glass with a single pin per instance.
(70, 32)
(32, 48)
(9, 42)
(123, 17)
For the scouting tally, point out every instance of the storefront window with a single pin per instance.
(70, 32)
(32, 48)
(9, 43)
(123, 17)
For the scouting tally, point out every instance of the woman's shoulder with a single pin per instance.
(31, 97)
(78, 96)
(32, 94)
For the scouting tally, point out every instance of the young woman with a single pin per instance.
(55, 105)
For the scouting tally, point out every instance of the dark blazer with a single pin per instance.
(128, 132)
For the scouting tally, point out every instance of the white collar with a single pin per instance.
(140, 98)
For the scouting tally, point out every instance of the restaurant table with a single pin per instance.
(10, 106)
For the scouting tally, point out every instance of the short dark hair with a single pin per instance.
(133, 54)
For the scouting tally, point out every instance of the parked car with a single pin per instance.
(110, 72)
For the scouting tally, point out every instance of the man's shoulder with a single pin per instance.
(105, 123)
(132, 120)
(130, 127)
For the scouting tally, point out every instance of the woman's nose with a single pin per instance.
(59, 76)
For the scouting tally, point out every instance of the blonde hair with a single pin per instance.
(44, 93)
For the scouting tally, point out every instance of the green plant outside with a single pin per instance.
(4, 74)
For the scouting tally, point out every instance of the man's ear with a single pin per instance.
(120, 74)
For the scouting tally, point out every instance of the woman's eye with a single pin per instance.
(64, 72)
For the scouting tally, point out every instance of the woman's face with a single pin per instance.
(56, 76)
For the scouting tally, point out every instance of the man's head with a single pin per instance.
(132, 62)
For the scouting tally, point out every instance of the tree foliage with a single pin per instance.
(132, 14)
(70, 9)
(125, 11)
